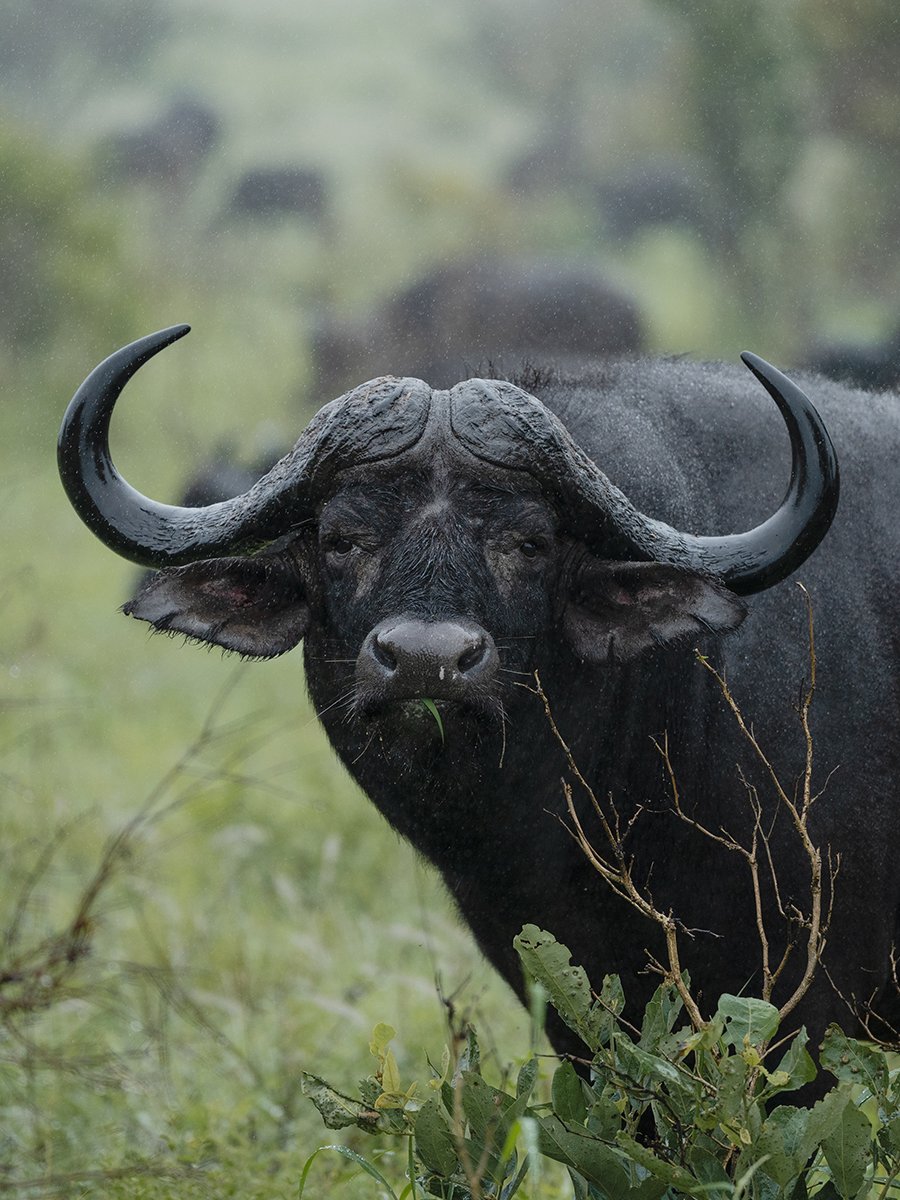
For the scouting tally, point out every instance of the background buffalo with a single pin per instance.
(459, 318)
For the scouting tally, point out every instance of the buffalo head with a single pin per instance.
(424, 540)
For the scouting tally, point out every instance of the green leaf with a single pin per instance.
(890, 1135)
(784, 1144)
(470, 1059)
(790, 1136)
(430, 706)
(549, 963)
(668, 1174)
(434, 1141)
(597, 1162)
(346, 1152)
(484, 1107)
(731, 1097)
(657, 1073)
(527, 1078)
(748, 1022)
(825, 1115)
(604, 1115)
(705, 1162)
(848, 1151)
(660, 1016)
(796, 1065)
(606, 1011)
(854, 1061)
(337, 1110)
(567, 1095)
(382, 1036)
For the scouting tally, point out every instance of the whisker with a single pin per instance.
(503, 722)
(371, 739)
(342, 699)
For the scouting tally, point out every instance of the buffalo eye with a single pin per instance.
(339, 549)
(531, 547)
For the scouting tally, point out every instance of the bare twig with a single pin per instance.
(615, 867)
(815, 922)
(617, 871)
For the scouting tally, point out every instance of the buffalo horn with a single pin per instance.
(500, 423)
(379, 419)
(763, 556)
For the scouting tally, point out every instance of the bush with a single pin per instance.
(670, 1110)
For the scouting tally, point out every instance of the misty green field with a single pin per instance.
(262, 918)
(256, 917)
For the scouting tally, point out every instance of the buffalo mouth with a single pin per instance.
(433, 721)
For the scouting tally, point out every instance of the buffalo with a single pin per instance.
(874, 366)
(169, 150)
(659, 191)
(269, 192)
(445, 545)
(462, 315)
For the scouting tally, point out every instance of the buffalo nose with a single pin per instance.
(409, 659)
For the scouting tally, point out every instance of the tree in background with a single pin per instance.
(74, 43)
(853, 52)
(744, 103)
(63, 271)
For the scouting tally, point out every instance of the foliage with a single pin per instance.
(666, 1110)
(64, 266)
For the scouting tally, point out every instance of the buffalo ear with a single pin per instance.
(254, 606)
(615, 610)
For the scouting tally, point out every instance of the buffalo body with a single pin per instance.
(443, 549)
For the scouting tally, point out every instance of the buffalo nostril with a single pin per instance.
(472, 657)
(384, 655)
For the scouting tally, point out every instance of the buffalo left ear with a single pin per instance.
(254, 606)
(617, 609)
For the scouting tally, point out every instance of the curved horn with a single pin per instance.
(136, 527)
(379, 419)
(763, 556)
(516, 430)
(750, 562)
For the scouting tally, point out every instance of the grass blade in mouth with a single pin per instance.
(431, 707)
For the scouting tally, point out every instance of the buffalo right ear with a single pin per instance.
(254, 606)
(616, 610)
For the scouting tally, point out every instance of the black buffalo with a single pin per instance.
(169, 150)
(444, 545)
(266, 192)
(874, 366)
(459, 316)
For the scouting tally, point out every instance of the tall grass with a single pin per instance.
(257, 920)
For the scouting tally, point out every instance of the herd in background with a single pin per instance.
(170, 151)
(472, 316)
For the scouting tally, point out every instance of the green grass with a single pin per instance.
(263, 918)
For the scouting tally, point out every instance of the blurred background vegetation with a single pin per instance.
(731, 165)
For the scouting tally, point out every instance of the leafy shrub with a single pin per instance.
(669, 1110)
